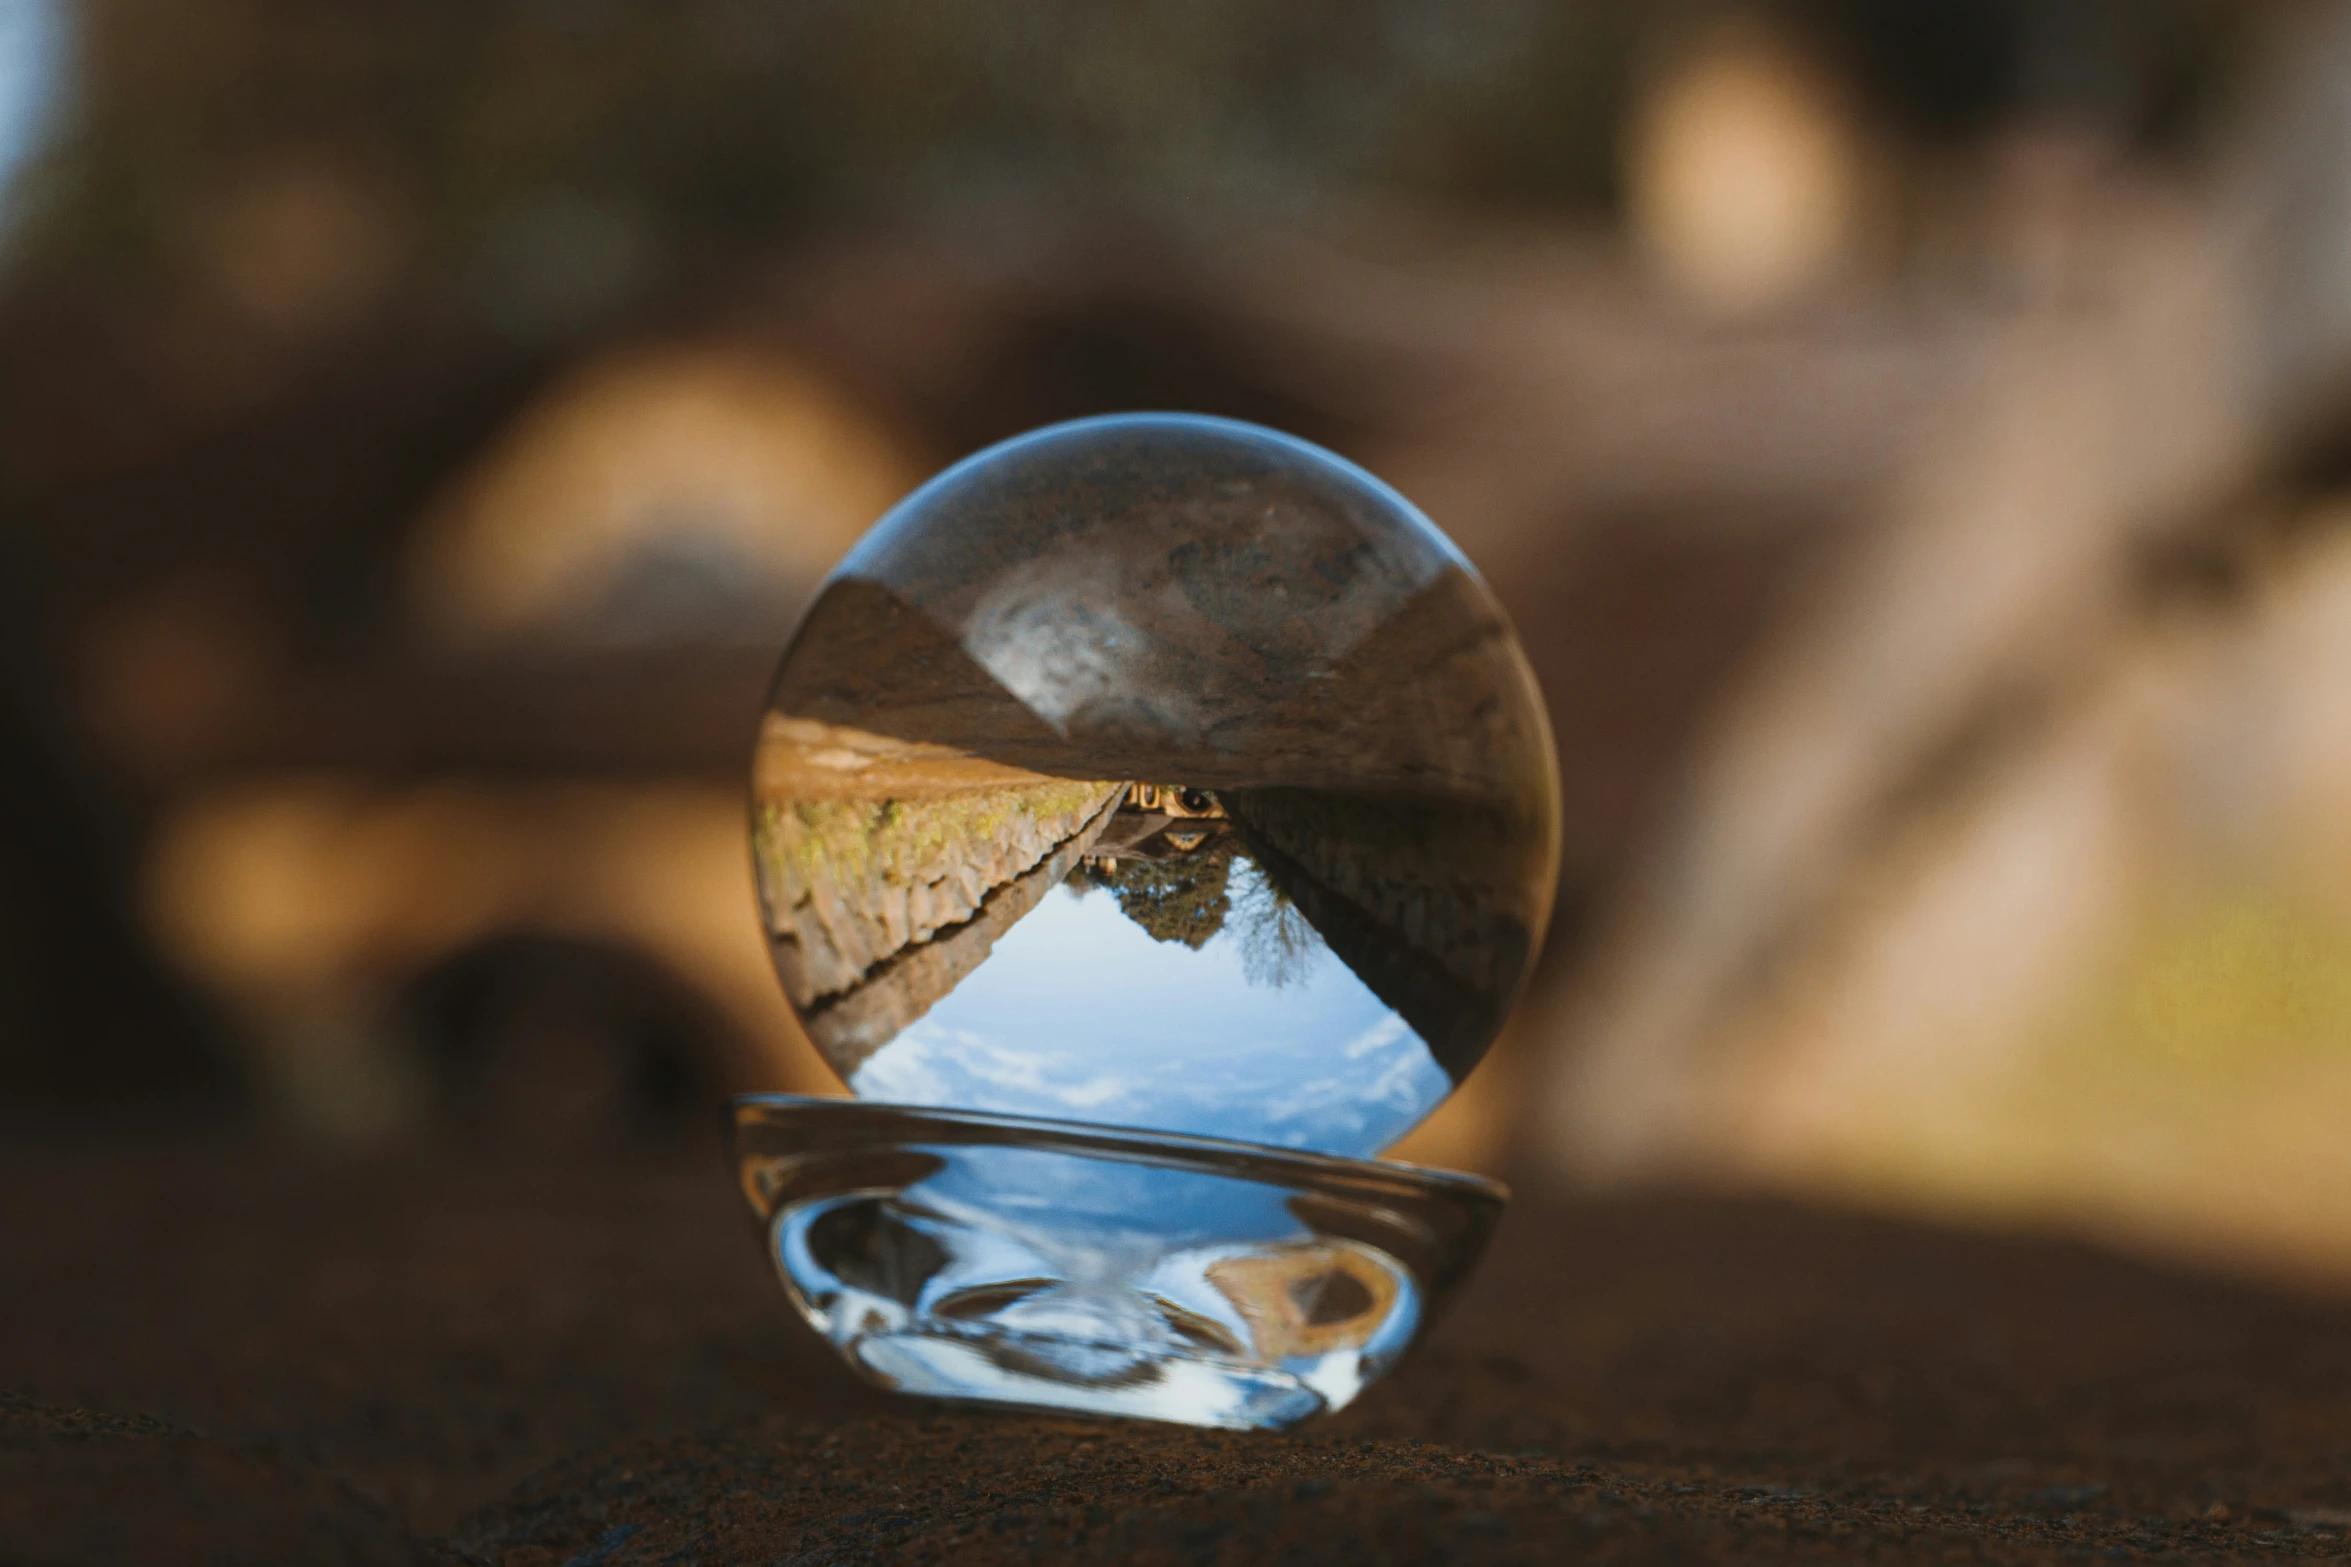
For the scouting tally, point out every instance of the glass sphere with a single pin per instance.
(1157, 771)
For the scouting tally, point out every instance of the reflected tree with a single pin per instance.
(1184, 899)
(1277, 942)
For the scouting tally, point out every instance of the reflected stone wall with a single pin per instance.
(889, 871)
(1413, 895)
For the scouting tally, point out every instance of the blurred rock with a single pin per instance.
(539, 1046)
(2004, 887)
(307, 903)
(680, 495)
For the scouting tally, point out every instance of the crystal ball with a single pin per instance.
(1157, 771)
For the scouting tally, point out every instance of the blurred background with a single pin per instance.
(1910, 435)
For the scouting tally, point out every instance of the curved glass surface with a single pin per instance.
(1059, 1266)
(1157, 771)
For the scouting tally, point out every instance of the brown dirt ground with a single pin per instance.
(423, 1360)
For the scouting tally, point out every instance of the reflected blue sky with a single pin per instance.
(1078, 1213)
(1080, 1014)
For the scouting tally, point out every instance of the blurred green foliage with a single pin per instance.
(535, 149)
(717, 117)
(2229, 988)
